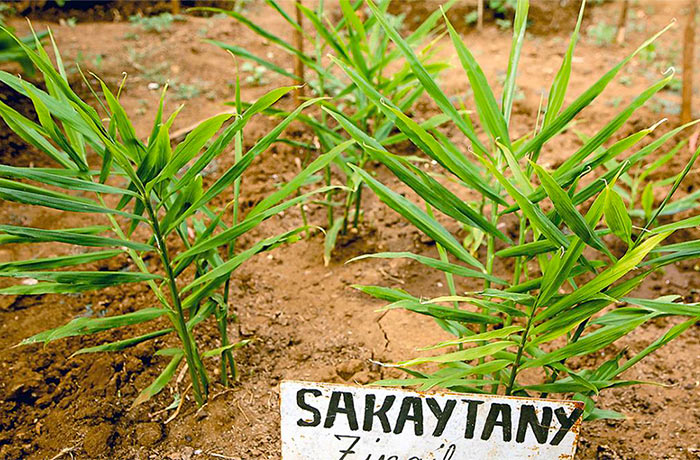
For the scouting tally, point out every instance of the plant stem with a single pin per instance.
(322, 91)
(518, 269)
(519, 355)
(197, 374)
(490, 256)
(222, 317)
(358, 198)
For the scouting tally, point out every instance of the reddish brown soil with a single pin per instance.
(304, 319)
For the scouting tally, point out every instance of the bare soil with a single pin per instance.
(304, 319)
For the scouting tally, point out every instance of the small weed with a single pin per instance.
(602, 33)
(626, 80)
(257, 74)
(5, 11)
(649, 54)
(131, 36)
(471, 18)
(661, 105)
(615, 102)
(185, 90)
(97, 60)
(503, 24)
(239, 6)
(675, 85)
(502, 6)
(158, 24)
(157, 73)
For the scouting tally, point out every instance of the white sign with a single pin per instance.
(338, 422)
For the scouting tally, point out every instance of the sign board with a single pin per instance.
(338, 422)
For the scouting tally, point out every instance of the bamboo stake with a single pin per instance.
(175, 6)
(480, 14)
(622, 22)
(688, 58)
(299, 42)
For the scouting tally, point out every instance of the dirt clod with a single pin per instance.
(148, 434)
(607, 453)
(98, 440)
(349, 368)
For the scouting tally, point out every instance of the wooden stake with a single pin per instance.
(175, 6)
(480, 14)
(688, 58)
(622, 22)
(299, 65)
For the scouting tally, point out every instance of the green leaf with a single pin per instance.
(245, 54)
(85, 326)
(587, 344)
(616, 216)
(191, 146)
(384, 293)
(330, 239)
(561, 80)
(444, 313)
(563, 119)
(418, 218)
(133, 145)
(454, 162)
(160, 382)
(59, 180)
(123, 344)
(57, 262)
(568, 212)
(33, 134)
(433, 263)
(28, 194)
(223, 140)
(426, 80)
(268, 36)
(676, 184)
(671, 334)
(509, 85)
(103, 278)
(235, 171)
(435, 193)
(648, 200)
(462, 355)
(226, 268)
(230, 234)
(620, 268)
(484, 336)
(218, 351)
(491, 117)
(70, 236)
(531, 211)
(300, 179)
(665, 307)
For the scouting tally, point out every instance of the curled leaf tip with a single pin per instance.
(657, 124)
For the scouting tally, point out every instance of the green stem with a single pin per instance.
(223, 315)
(322, 91)
(518, 269)
(358, 198)
(490, 257)
(358, 194)
(519, 355)
(194, 363)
